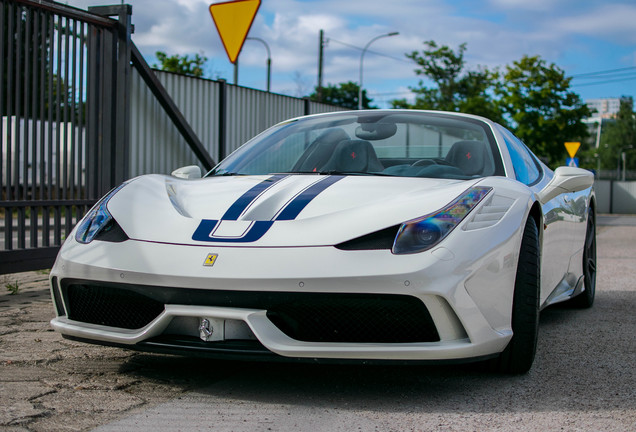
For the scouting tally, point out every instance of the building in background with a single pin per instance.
(605, 108)
(604, 111)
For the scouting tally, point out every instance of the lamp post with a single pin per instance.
(362, 59)
(269, 60)
(621, 155)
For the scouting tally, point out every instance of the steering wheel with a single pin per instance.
(428, 162)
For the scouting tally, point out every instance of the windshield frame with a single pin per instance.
(233, 164)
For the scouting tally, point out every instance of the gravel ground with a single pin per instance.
(583, 378)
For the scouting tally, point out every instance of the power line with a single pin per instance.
(404, 92)
(612, 76)
(603, 72)
(604, 82)
(369, 51)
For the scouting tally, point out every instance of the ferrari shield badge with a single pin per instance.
(210, 260)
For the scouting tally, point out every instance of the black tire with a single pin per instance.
(586, 298)
(518, 356)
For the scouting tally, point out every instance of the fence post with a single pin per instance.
(611, 193)
(94, 111)
(307, 107)
(113, 90)
(121, 165)
(222, 119)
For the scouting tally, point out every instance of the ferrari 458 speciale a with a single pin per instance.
(380, 235)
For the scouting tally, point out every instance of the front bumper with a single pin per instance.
(467, 295)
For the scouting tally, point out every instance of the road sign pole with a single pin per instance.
(236, 71)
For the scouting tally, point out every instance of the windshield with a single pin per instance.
(384, 143)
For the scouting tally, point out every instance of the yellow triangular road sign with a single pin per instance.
(572, 148)
(233, 21)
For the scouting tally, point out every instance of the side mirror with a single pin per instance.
(188, 172)
(566, 179)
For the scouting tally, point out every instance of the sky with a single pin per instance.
(592, 41)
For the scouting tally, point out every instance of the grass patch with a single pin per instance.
(13, 288)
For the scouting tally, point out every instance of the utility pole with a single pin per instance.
(321, 47)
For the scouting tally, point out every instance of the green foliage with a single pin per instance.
(344, 95)
(182, 65)
(530, 97)
(544, 112)
(616, 137)
(13, 288)
(455, 88)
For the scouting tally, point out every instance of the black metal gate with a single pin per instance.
(64, 88)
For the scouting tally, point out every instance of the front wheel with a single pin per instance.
(518, 356)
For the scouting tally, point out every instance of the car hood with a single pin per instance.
(277, 210)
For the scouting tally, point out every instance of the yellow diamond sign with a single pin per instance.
(233, 21)
(572, 148)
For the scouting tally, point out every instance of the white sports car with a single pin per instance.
(369, 235)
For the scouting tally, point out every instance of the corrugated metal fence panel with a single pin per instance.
(156, 145)
(316, 108)
(602, 189)
(250, 112)
(153, 136)
(624, 198)
(198, 101)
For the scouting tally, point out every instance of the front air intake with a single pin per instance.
(110, 306)
(355, 319)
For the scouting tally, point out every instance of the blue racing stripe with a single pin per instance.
(259, 228)
(293, 209)
(248, 197)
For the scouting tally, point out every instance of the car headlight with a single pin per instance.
(97, 219)
(423, 233)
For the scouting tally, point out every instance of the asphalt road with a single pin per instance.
(583, 378)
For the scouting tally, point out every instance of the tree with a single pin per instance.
(344, 95)
(542, 109)
(455, 88)
(181, 65)
(532, 98)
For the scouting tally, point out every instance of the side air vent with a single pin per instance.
(378, 240)
(490, 213)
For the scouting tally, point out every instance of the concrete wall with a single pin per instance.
(615, 196)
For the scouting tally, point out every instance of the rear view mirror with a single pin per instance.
(188, 172)
(375, 131)
(566, 179)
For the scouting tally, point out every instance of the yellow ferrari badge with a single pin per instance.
(210, 260)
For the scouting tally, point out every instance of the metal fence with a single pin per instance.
(77, 120)
(222, 115)
(59, 87)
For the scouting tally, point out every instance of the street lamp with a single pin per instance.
(362, 58)
(269, 60)
(621, 155)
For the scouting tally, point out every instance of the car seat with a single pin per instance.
(468, 156)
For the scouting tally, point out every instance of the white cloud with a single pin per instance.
(615, 22)
(497, 32)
